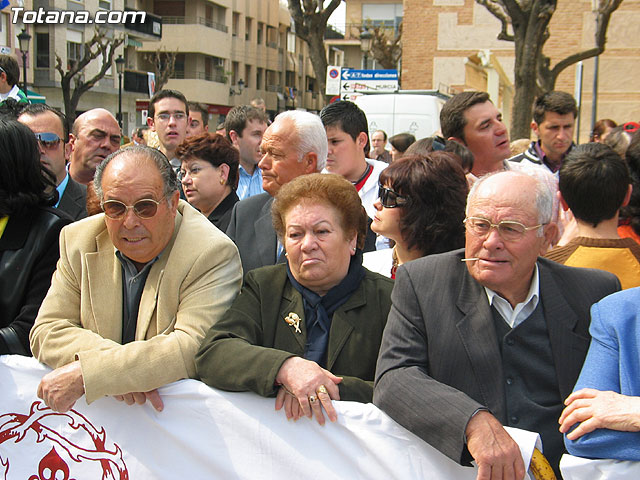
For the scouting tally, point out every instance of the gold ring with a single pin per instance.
(322, 389)
(313, 399)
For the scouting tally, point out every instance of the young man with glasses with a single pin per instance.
(135, 291)
(50, 128)
(168, 117)
(491, 334)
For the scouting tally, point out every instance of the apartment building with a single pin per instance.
(232, 51)
(228, 52)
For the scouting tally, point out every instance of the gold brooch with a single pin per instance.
(293, 320)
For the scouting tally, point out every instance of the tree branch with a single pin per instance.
(605, 10)
(500, 14)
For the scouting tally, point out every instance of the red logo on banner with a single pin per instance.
(42, 424)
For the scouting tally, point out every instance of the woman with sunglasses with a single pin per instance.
(209, 176)
(420, 207)
(29, 230)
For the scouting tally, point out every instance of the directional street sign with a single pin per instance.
(368, 81)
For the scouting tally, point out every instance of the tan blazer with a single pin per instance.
(195, 280)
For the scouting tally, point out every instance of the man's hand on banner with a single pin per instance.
(61, 388)
(493, 449)
(141, 397)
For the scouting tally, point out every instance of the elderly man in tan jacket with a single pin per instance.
(135, 290)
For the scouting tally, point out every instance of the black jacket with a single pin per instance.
(28, 255)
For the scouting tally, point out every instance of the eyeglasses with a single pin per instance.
(390, 199)
(509, 230)
(145, 208)
(48, 140)
(177, 116)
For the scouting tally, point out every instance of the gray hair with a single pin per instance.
(169, 178)
(312, 136)
(544, 195)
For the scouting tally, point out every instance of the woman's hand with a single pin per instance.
(596, 409)
(306, 389)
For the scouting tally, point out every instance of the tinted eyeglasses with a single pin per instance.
(509, 230)
(145, 208)
(48, 140)
(390, 199)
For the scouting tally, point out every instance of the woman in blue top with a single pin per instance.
(606, 400)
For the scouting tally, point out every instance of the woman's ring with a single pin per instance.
(322, 389)
(313, 399)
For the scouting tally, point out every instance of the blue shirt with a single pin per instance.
(249, 185)
(61, 188)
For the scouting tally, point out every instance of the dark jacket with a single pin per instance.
(74, 200)
(246, 348)
(28, 255)
(222, 213)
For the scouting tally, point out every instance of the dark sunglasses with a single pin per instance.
(48, 140)
(145, 208)
(390, 199)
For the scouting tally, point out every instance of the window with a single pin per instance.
(247, 28)
(105, 4)
(75, 47)
(387, 15)
(259, 75)
(247, 75)
(42, 50)
(291, 42)
(272, 37)
(260, 33)
(236, 24)
(3, 30)
(235, 72)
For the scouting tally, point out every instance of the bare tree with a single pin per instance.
(163, 63)
(310, 18)
(99, 46)
(386, 45)
(526, 23)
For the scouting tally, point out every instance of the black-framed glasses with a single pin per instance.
(48, 140)
(509, 230)
(145, 208)
(390, 199)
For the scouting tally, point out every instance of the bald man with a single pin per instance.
(95, 135)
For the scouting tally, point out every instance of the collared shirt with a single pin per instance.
(61, 188)
(132, 287)
(249, 185)
(515, 316)
(553, 166)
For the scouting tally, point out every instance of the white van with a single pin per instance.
(406, 111)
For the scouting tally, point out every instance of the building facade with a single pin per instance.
(448, 42)
(228, 52)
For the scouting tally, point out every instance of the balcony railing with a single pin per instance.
(135, 81)
(209, 77)
(195, 20)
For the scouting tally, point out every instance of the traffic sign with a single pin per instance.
(368, 80)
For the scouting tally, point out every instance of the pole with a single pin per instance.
(120, 100)
(578, 95)
(24, 71)
(594, 97)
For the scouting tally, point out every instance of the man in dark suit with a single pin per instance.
(294, 144)
(489, 336)
(50, 127)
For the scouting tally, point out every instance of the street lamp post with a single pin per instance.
(120, 70)
(23, 40)
(366, 40)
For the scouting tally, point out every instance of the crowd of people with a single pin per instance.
(459, 288)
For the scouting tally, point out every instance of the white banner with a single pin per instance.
(205, 433)
(576, 468)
